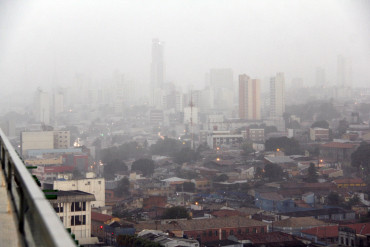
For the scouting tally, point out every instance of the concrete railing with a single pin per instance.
(37, 222)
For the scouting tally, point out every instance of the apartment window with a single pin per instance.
(247, 230)
(352, 242)
(341, 240)
(216, 233)
(239, 231)
(78, 206)
(232, 232)
(254, 230)
(262, 229)
(61, 219)
(210, 233)
(204, 233)
(224, 233)
(58, 207)
(78, 220)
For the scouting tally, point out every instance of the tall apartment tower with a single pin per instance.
(157, 69)
(221, 82)
(344, 72)
(320, 77)
(41, 107)
(249, 98)
(277, 95)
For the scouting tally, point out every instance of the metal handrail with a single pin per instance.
(37, 222)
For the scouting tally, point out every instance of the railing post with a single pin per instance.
(9, 176)
(22, 208)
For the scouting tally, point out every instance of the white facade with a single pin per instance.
(74, 210)
(37, 140)
(277, 95)
(95, 186)
(191, 115)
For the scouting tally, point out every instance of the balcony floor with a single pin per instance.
(8, 230)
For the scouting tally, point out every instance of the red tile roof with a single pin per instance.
(323, 231)
(270, 237)
(100, 217)
(360, 228)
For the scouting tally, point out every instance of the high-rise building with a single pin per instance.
(320, 77)
(158, 68)
(41, 108)
(221, 82)
(344, 72)
(249, 98)
(277, 95)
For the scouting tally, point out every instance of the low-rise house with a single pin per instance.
(294, 226)
(323, 235)
(337, 151)
(353, 183)
(319, 134)
(335, 214)
(272, 201)
(272, 239)
(354, 234)
(166, 240)
(206, 230)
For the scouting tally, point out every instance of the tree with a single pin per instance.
(176, 212)
(312, 173)
(334, 198)
(123, 187)
(221, 178)
(342, 127)
(273, 172)
(247, 148)
(111, 167)
(186, 155)
(186, 187)
(289, 145)
(361, 157)
(146, 166)
(320, 124)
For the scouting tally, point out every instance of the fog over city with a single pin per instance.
(45, 43)
(194, 123)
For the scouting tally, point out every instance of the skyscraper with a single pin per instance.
(344, 72)
(277, 95)
(42, 107)
(157, 68)
(221, 81)
(249, 98)
(320, 77)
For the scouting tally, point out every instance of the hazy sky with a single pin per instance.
(258, 37)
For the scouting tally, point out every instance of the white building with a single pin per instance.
(277, 95)
(223, 138)
(41, 108)
(74, 210)
(191, 115)
(95, 186)
(33, 140)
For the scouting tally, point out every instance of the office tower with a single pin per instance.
(41, 106)
(221, 82)
(344, 72)
(157, 69)
(249, 98)
(320, 77)
(277, 95)
(58, 103)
